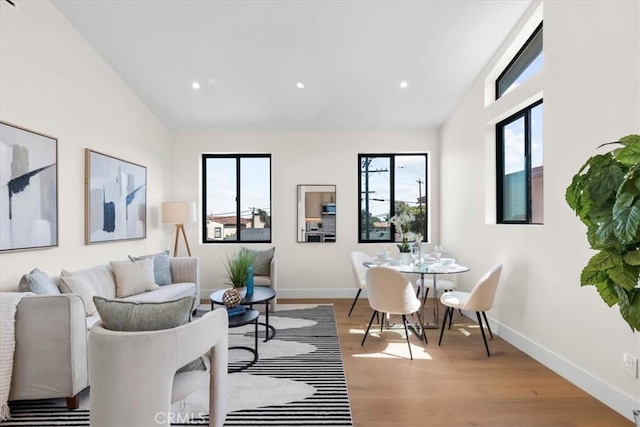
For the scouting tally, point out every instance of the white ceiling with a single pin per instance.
(249, 55)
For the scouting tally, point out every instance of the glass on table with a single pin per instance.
(437, 252)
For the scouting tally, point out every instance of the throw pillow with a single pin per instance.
(39, 283)
(133, 277)
(130, 316)
(262, 263)
(161, 266)
(83, 288)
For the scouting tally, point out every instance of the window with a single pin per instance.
(520, 167)
(236, 198)
(391, 184)
(527, 62)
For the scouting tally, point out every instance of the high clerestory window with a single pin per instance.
(527, 62)
(391, 184)
(236, 198)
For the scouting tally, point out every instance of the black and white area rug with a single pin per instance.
(298, 380)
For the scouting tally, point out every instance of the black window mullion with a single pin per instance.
(392, 195)
(527, 164)
(238, 198)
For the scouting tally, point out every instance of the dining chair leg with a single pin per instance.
(448, 312)
(382, 323)
(424, 333)
(484, 337)
(354, 301)
(487, 323)
(368, 327)
(406, 332)
(451, 318)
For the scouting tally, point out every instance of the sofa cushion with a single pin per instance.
(79, 285)
(262, 263)
(161, 269)
(129, 316)
(133, 277)
(39, 283)
(165, 293)
(99, 278)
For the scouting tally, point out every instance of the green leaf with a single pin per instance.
(607, 291)
(629, 303)
(624, 275)
(630, 140)
(596, 269)
(626, 216)
(632, 258)
(604, 232)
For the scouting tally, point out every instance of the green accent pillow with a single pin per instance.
(39, 283)
(262, 263)
(131, 316)
(161, 266)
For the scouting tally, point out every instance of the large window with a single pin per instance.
(391, 184)
(236, 198)
(526, 63)
(520, 167)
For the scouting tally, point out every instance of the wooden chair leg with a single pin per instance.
(73, 402)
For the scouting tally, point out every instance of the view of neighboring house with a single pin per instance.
(224, 226)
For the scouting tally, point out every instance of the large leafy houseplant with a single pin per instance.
(605, 195)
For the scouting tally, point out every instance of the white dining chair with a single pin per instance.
(391, 292)
(480, 299)
(357, 265)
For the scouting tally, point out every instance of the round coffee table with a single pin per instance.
(250, 316)
(260, 295)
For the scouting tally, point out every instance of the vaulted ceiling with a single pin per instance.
(249, 56)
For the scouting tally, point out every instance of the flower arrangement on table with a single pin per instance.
(402, 222)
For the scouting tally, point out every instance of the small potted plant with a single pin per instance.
(238, 270)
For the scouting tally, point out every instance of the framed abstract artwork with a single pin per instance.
(115, 199)
(28, 189)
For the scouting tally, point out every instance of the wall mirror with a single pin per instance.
(316, 213)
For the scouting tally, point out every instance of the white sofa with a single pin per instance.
(51, 331)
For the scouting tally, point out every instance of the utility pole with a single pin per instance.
(366, 192)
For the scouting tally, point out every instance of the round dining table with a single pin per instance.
(423, 268)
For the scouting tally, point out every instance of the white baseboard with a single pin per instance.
(620, 402)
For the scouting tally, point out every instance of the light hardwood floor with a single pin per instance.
(455, 384)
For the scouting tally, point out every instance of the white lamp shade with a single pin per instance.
(178, 212)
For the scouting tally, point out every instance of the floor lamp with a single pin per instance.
(179, 213)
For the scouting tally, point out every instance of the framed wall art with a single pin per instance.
(28, 189)
(116, 199)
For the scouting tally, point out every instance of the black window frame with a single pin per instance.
(500, 166)
(238, 158)
(392, 200)
(521, 60)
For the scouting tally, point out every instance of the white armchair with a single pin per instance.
(133, 374)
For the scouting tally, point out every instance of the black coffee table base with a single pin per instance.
(250, 316)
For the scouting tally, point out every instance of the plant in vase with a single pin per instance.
(402, 223)
(239, 270)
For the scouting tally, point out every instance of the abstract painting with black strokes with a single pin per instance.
(28, 189)
(116, 195)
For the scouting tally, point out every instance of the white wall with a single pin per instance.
(305, 270)
(54, 83)
(591, 82)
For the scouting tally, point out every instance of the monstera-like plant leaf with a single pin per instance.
(605, 195)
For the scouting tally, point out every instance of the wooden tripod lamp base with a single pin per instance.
(179, 213)
(180, 229)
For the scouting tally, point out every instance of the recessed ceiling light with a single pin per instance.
(300, 85)
(195, 85)
(404, 84)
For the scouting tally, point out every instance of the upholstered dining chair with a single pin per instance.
(359, 270)
(391, 292)
(480, 299)
(133, 374)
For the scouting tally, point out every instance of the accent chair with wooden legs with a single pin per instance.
(480, 299)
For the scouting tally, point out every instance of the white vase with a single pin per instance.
(405, 258)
